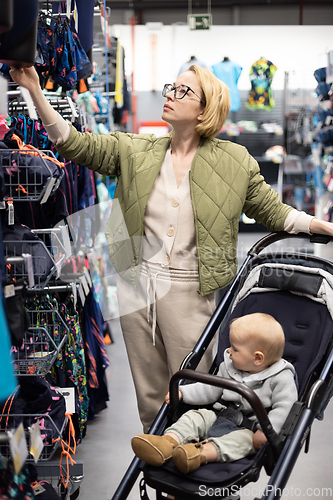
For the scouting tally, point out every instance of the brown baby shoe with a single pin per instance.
(187, 457)
(154, 450)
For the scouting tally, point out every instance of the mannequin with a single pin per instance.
(229, 72)
(192, 60)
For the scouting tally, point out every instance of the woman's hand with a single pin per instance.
(321, 227)
(26, 77)
(167, 397)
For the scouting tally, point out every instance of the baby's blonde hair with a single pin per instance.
(263, 332)
(216, 100)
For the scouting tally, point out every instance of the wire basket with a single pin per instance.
(51, 434)
(43, 262)
(29, 182)
(50, 472)
(42, 343)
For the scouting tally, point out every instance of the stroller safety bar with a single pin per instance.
(271, 238)
(232, 385)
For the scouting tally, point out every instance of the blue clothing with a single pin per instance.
(229, 72)
(7, 379)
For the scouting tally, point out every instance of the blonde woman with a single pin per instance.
(173, 238)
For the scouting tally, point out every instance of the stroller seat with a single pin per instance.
(297, 290)
(308, 329)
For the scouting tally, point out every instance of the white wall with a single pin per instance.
(299, 49)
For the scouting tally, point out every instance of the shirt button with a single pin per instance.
(175, 203)
(170, 231)
(166, 259)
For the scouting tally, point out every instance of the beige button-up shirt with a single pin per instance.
(169, 221)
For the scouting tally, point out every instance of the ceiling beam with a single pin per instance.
(202, 4)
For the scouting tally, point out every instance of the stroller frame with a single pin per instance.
(281, 453)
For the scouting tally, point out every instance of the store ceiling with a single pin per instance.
(203, 4)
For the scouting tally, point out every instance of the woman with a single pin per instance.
(172, 236)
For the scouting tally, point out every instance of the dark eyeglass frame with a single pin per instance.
(169, 88)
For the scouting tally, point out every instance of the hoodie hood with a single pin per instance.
(274, 369)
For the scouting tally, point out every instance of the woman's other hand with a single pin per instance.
(167, 397)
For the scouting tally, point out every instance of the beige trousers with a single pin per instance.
(161, 320)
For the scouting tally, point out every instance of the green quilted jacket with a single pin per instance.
(224, 182)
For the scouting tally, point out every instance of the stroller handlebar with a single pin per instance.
(232, 385)
(283, 235)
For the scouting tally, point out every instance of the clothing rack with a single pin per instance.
(64, 105)
(55, 288)
(54, 346)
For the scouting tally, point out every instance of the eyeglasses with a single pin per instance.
(179, 92)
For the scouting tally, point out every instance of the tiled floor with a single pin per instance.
(107, 453)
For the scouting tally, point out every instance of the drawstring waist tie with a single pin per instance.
(153, 271)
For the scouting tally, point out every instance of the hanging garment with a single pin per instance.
(69, 369)
(18, 319)
(15, 486)
(7, 379)
(261, 76)
(229, 72)
(60, 53)
(46, 55)
(75, 362)
(97, 359)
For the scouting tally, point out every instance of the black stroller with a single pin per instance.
(296, 289)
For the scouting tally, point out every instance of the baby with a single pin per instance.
(254, 358)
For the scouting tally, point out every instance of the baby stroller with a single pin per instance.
(296, 289)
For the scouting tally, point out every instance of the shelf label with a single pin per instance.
(36, 442)
(18, 447)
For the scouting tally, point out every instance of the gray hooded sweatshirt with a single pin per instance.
(275, 386)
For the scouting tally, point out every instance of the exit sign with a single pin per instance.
(199, 21)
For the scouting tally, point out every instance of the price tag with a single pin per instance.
(29, 102)
(38, 489)
(9, 291)
(10, 213)
(88, 278)
(74, 291)
(84, 284)
(36, 442)
(18, 448)
(48, 190)
(81, 293)
(69, 395)
(66, 241)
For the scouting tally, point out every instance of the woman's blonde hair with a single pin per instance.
(216, 100)
(263, 332)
